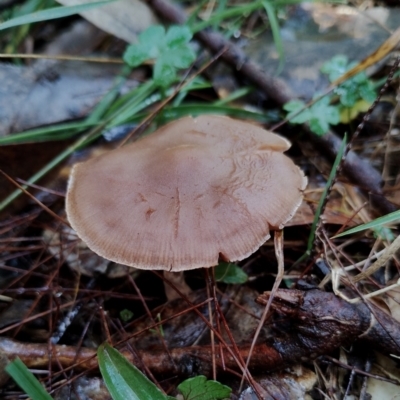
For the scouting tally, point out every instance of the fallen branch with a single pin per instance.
(320, 322)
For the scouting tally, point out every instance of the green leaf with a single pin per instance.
(164, 74)
(348, 95)
(323, 115)
(320, 115)
(321, 202)
(386, 219)
(137, 54)
(335, 67)
(319, 126)
(149, 45)
(153, 36)
(126, 315)
(293, 107)
(181, 57)
(199, 388)
(367, 92)
(354, 89)
(123, 380)
(384, 233)
(230, 273)
(276, 32)
(26, 380)
(325, 192)
(178, 36)
(51, 13)
(170, 50)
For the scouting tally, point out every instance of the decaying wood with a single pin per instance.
(321, 319)
(358, 170)
(319, 323)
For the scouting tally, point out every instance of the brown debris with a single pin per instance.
(320, 322)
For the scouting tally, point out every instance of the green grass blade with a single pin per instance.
(123, 380)
(221, 7)
(49, 133)
(51, 13)
(237, 94)
(325, 192)
(376, 223)
(230, 12)
(196, 109)
(142, 98)
(322, 200)
(26, 380)
(273, 21)
(106, 102)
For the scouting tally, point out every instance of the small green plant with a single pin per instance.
(320, 115)
(347, 100)
(199, 388)
(126, 315)
(124, 381)
(170, 51)
(230, 273)
(352, 90)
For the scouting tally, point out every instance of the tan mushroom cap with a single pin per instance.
(195, 190)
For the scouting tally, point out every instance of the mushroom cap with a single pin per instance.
(195, 190)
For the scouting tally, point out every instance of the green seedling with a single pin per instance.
(125, 381)
(320, 115)
(169, 50)
(345, 102)
(230, 273)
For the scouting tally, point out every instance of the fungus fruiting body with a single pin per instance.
(196, 190)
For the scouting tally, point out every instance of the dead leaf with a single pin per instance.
(123, 19)
(29, 99)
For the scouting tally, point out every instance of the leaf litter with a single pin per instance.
(49, 288)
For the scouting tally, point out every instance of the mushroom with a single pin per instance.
(195, 191)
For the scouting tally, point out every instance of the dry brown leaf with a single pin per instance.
(123, 19)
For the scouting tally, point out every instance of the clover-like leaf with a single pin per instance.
(323, 115)
(199, 388)
(320, 115)
(170, 50)
(367, 92)
(352, 90)
(164, 73)
(148, 47)
(178, 36)
(335, 67)
(293, 107)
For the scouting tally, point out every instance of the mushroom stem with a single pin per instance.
(278, 243)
